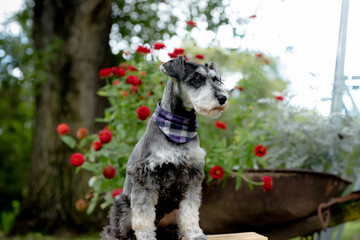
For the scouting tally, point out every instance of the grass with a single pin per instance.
(351, 231)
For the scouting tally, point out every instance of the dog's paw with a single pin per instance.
(201, 237)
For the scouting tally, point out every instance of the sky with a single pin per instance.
(301, 34)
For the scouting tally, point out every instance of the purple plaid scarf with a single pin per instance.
(178, 129)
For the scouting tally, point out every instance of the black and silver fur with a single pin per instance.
(164, 178)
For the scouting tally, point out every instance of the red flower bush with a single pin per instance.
(268, 184)
(120, 72)
(159, 45)
(143, 50)
(109, 172)
(62, 129)
(81, 133)
(216, 172)
(77, 159)
(260, 150)
(133, 80)
(191, 23)
(116, 192)
(105, 72)
(220, 125)
(97, 145)
(179, 51)
(105, 136)
(143, 112)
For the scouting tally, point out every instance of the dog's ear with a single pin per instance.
(213, 67)
(174, 68)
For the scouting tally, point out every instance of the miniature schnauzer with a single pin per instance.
(166, 168)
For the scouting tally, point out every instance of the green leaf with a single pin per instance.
(102, 93)
(68, 140)
(238, 182)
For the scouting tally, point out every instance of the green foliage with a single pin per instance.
(7, 218)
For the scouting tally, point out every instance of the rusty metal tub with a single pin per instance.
(296, 194)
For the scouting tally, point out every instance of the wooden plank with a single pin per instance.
(237, 236)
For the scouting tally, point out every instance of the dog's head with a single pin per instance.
(199, 86)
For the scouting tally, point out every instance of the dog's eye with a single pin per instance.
(217, 81)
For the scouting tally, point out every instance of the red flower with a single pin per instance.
(134, 89)
(81, 133)
(253, 16)
(240, 88)
(191, 23)
(143, 112)
(179, 51)
(268, 184)
(109, 172)
(105, 136)
(216, 172)
(143, 50)
(97, 145)
(159, 45)
(62, 129)
(125, 93)
(134, 80)
(105, 72)
(77, 159)
(142, 73)
(131, 68)
(116, 192)
(279, 98)
(149, 94)
(116, 82)
(266, 61)
(172, 55)
(128, 67)
(199, 56)
(120, 72)
(259, 55)
(260, 150)
(220, 125)
(81, 205)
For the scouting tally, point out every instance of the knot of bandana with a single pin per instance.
(177, 128)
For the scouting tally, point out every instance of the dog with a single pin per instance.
(165, 170)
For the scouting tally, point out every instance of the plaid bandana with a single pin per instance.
(178, 129)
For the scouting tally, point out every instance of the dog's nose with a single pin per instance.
(221, 98)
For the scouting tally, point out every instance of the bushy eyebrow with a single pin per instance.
(201, 71)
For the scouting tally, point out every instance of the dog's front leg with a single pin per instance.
(143, 203)
(188, 217)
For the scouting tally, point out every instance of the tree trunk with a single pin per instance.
(73, 35)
